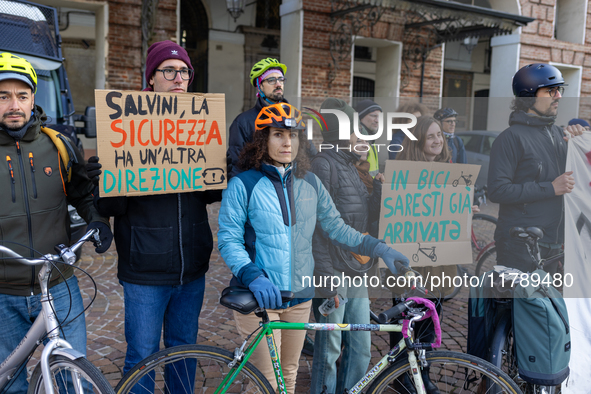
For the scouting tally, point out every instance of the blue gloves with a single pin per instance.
(105, 235)
(389, 256)
(266, 293)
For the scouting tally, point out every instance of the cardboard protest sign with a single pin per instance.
(426, 211)
(158, 143)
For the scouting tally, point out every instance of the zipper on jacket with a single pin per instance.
(284, 186)
(28, 210)
(33, 174)
(12, 182)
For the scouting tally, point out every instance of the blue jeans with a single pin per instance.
(327, 344)
(150, 308)
(17, 314)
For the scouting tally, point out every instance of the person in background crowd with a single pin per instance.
(268, 77)
(447, 117)
(336, 169)
(412, 107)
(369, 117)
(163, 244)
(581, 122)
(34, 215)
(273, 208)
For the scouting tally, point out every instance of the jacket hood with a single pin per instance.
(39, 118)
(520, 117)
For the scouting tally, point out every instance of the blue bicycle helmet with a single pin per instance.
(532, 77)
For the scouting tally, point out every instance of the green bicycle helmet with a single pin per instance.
(261, 66)
(15, 67)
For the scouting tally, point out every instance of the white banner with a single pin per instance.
(577, 248)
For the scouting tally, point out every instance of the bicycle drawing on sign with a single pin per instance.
(467, 179)
(429, 252)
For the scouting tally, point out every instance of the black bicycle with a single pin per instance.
(502, 347)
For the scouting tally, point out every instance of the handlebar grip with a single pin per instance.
(394, 312)
(402, 269)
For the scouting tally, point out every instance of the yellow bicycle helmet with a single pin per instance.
(14, 67)
(260, 67)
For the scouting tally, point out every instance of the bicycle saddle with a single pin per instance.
(527, 233)
(241, 299)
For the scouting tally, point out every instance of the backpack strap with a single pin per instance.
(64, 148)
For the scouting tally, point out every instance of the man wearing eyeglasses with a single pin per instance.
(268, 78)
(527, 174)
(163, 244)
(448, 119)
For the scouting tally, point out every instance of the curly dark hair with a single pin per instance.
(522, 103)
(255, 153)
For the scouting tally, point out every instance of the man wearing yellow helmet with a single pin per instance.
(268, 77)
(34, 213)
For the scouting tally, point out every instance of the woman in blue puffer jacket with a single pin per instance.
(266, 223)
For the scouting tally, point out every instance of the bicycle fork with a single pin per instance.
(55, 343)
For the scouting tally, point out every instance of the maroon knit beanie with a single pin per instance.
(161, 51)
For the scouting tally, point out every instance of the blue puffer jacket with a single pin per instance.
(266, 225)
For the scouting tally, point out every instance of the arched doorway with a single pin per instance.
(194, 38)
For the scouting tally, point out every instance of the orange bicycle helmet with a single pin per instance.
(280, 115)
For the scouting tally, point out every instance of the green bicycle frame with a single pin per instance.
(267, 332)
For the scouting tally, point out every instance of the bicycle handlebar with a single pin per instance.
(395, 311)
(409, 273)
(66, 254)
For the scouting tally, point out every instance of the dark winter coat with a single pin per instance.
(34, 204)
(162, 239)
(524, 160)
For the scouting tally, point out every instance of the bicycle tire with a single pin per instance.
(61, 367)
(211, 367)
(460, 272)
(486, 262)
(483, 228)
(502, 356)
(449, 371)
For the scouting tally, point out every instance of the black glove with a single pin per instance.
(93, 169)
(105, 235)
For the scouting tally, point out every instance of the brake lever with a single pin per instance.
(96, 239)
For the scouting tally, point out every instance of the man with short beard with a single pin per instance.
(527, 167)
(34, 215)
(268, 77)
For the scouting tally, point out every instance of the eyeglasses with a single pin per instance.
(170, 73)
(450, 121)
(274, 80)
(553, 92)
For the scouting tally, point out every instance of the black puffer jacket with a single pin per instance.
(356, 206)
(524, 161)
(161, 239)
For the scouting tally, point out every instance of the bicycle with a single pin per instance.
(502, 348)
(60, 368)
(221, 371)
(432, 256)
(467, 180)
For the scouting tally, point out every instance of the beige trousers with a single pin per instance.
(289, 342)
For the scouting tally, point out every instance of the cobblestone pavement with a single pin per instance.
(105, 318)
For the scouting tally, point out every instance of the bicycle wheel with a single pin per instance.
(451, 372)
(502, 355)
(70, 376)
(170, 370)
(483, 230)
(487, 261)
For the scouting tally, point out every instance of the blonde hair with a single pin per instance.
(414, 150)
